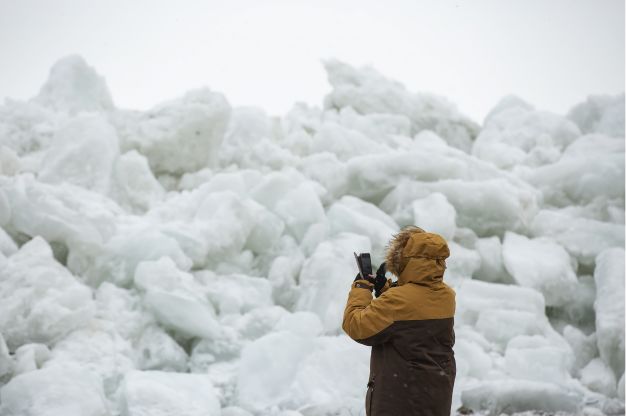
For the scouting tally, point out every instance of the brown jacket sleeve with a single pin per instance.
(365, 319)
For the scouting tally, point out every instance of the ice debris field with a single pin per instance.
(194, 259)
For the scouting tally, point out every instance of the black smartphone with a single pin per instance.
(364, 263)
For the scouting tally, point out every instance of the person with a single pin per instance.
(410, 328)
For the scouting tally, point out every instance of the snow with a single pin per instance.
(195, 258)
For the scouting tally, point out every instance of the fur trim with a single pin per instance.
(393, 257)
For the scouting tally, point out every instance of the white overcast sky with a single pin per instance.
(552, 53)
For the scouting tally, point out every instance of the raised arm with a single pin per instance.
(367, 320)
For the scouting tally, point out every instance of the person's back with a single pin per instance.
(410, 329)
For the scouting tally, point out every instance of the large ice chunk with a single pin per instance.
(98, 349)
(435, 214)
(6, 361)
(502, 312)
(62, 213)
(30, 357)
(369, 92)
(236, 293)
(599, 377)
(600, 114)
(581, 176)
(515, 134)
(382, 127)
(345, 143)
(121, 307)
(169, 394)
(176, 299)
(333, 373)
(40, 301)
(73, 86)
(53, 391)
(497, 396)
(156, 350)
(264, 381)
(330, 267)
(247, 127)
(537, 358)
(299, 208)
(182, 135)
(491, 264)
(472, 352)
(7, 245)
(26, 128)
(82, 152)
(372, 176)
(609, 306)
(584, 346)
(326, 169)
(462, 263)
(584, 238)
(351, 214)
(213, 225)
(134, 186)
(487, 207)
(542, 264)
(117, 260)
(316, 373)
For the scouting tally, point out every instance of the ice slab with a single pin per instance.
(169, 394)
(134, 186)
(63, 213)
(499, 396)
(73, 86)
(435, 214)
(489, 207)
(369, 92)
(98, 349)
(331, 266)
(175, 299)
(40, 300)
(181, 135)
(600, 114)
(353, 215)
(54, 391)
(584, 238)
(542, 264)
(82, 152)
(514, 134)
(609, 306)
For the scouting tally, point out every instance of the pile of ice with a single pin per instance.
(194, 259)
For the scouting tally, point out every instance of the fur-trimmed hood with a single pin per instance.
(414, 255)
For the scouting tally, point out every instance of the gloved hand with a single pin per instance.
(380, 280)
(370, 279)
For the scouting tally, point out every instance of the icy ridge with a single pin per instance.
(194, 259)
